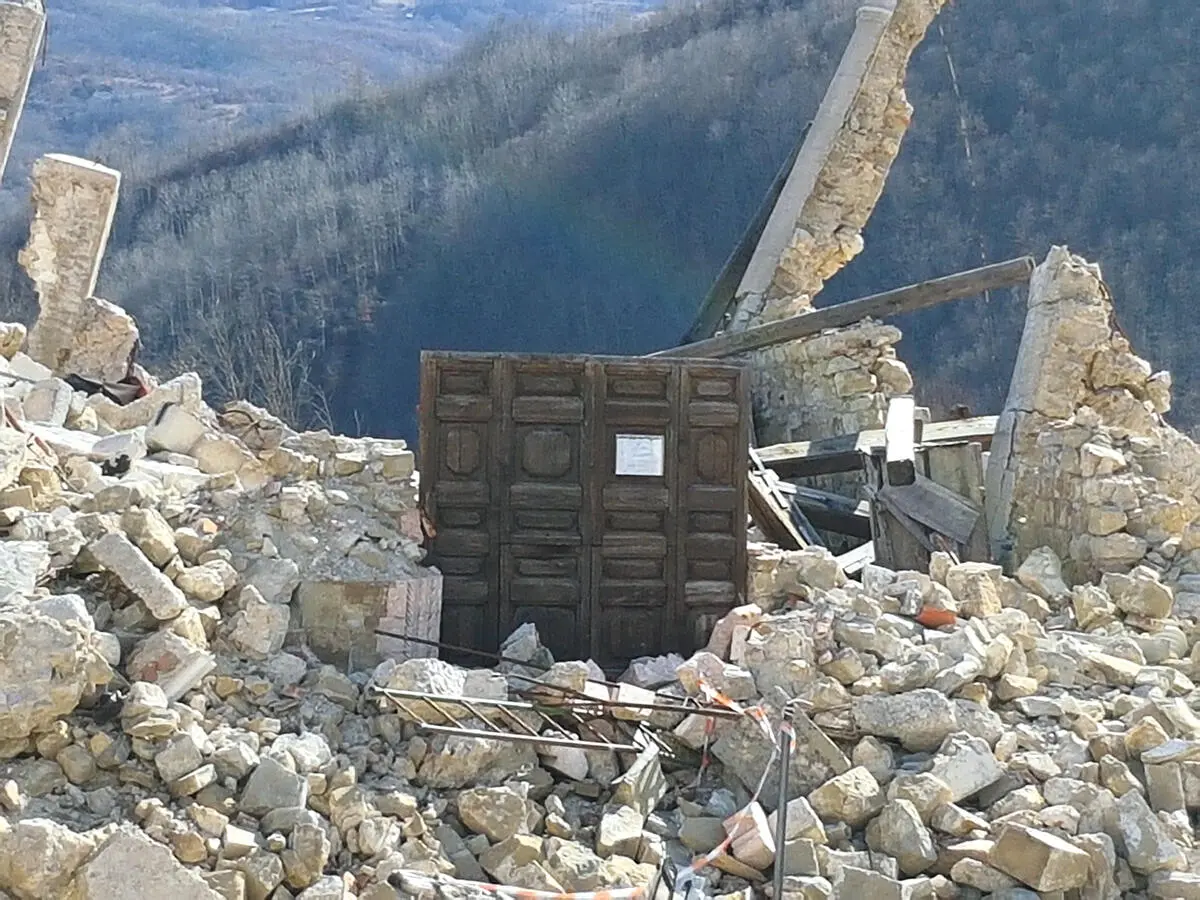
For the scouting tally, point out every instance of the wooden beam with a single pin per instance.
(854, 561)
(900, 440)
(833, 512)
(879, 306)
(830, 456)
(768, 515)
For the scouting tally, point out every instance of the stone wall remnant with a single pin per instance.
(74, 202)
(22, 29)
(1083, 461)
(837, 382)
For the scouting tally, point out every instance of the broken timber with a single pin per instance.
(831, 456)
(779, 520)
(906, 299)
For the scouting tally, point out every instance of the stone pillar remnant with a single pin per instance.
(74, 202)
(840, 382)
(22, 29)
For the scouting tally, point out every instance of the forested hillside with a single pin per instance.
(551, 191)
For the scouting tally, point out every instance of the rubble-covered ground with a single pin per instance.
(166, 731)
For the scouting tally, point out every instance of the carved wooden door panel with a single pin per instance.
(634, 560)
(602, 499)
(544, 461)
(713, 453)
(460, 401)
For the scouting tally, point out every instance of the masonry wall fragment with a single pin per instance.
(22, 28)
(1083, 460)
(834, 384)
(74, 202)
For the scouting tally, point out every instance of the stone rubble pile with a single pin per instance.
(960, 733)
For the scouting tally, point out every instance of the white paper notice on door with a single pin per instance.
(640, 454)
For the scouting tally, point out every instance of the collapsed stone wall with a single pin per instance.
(22, 28)
(839, 382)
(1083, 460)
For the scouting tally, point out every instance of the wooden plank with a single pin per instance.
(854, 561)
(937, 508)
(899, 440)
(832, 512)
(906, 299)
(895, 545)
(960, 467)
(830, 456)
(767, 514)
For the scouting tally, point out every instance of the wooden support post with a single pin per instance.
(900, 445)
(878, 306)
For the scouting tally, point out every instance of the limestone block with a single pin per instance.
(1148, 847)
(184, 390)
(40, 857)
(104, 342)
(174, 429)
(1040, 859)
(853, 797)
(259, 628)
(116, 554)
(48, 402)
(46, 669)
(340, 618)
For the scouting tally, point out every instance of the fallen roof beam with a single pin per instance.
(831, 456)
(878, 306)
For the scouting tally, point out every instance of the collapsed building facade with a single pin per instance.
(220, 669)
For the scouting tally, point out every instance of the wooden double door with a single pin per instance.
(601, 498)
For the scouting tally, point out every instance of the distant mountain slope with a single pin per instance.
(579, 192)
(177, 75)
